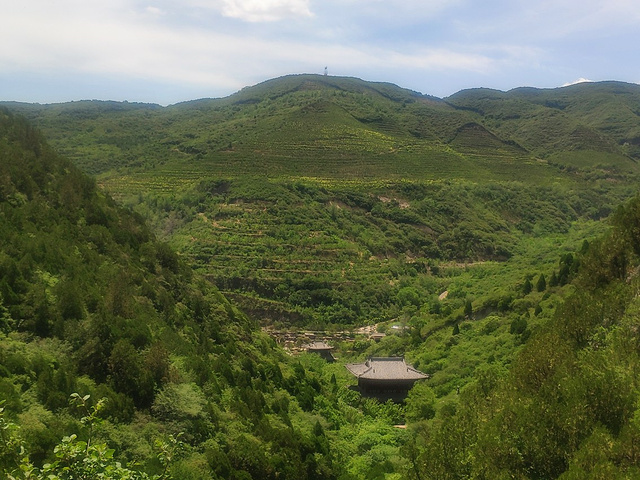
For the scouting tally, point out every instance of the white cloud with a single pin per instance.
(129, 41)
(438, 59)
(154, 10)
(559, 19)
(252, 11)
(392, 10)
(265, 10)
(223, 45)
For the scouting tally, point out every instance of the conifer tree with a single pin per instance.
(468, 309)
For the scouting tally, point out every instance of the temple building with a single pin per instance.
(321, 348)
(385, 377)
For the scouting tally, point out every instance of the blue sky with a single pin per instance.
(167, 51)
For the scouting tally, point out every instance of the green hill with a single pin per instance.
(455, 225)
(332, 127)
(91, 304)
(312, 200)
(568, 407)
(589, 117)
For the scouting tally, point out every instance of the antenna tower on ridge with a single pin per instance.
(325, 71)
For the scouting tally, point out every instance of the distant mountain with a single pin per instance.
(602, 117)
(323, 126)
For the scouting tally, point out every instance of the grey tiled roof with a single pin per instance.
(385, 368)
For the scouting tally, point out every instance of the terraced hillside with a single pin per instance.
(598, 117)
(298, 126)
(304, 254)
(314, 199)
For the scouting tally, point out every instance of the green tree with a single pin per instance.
(541, 285)
(518, 325)
(468, 309)
(128, 376)
(409, 296)
(420, 403)
(74, 458)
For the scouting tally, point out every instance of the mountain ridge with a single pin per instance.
(393, 126)
(335, 81)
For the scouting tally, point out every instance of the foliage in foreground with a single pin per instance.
(568, 408)
(76, 459)
(91, 303)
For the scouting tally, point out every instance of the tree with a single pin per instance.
(518, 325)
(70, 302)
(128, 376)
(468, 309)
(76, 459)
(408, 296)
(420, 403)
(541, 286)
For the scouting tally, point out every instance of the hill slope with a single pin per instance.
(310, 199)
(599, 117)
(333, 127)
(91, 303)
(568, 408)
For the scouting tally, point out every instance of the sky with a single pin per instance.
(168, 51)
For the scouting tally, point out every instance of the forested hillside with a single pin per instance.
(568, 408)
(596, 117)
(475, 231)
(314, 200)
(97, 314)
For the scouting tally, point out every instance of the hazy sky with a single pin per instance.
(167, 51)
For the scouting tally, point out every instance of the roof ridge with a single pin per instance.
(385, 368)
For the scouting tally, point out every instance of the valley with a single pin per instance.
(327, 204)
(331, 188)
